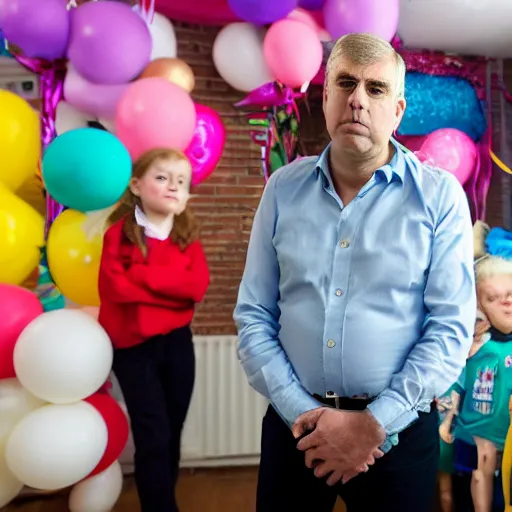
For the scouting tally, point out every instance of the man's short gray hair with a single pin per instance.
(365, 50)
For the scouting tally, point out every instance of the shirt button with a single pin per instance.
(339, 293)
(344, 244)
(331, 343)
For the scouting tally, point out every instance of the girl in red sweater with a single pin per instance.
(153, 271)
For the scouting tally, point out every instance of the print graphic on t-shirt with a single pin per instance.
(483, 390)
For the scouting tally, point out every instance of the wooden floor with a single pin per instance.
(217, 490)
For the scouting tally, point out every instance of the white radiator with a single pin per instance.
(223, 426)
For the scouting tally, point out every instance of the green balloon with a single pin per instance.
(86, 169)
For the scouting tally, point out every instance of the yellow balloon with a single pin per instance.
(21, 238)
(20, 140)
(506, 465)
(73, 260)
(32, 193)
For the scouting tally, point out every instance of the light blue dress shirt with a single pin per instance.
(376, 298)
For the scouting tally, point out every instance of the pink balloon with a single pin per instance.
(375, 16)
(293, 52)
(155, 113)
(304, 17)
(19, 307)
(94, 99)
(205, 149)
(451, 150)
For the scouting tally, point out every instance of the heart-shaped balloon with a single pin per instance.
(205, 149)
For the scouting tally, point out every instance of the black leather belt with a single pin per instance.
(347, 404)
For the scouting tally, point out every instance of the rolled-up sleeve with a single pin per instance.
(257, 318)
(438, 357)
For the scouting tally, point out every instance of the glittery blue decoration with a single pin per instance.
(435, 102)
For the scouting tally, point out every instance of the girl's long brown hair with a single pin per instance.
(184, 229)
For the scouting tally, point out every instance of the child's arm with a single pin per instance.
(445, 429)
(115, 286)
(176, 280)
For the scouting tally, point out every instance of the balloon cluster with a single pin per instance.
(290, 51)
(99, 61)
(59, 427)
(122, 71)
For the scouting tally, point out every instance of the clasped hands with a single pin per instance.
(341, 444)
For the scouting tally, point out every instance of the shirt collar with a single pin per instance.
(392, 171)
(150, 230)
(499, 336)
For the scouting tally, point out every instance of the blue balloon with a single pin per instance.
(86, 169)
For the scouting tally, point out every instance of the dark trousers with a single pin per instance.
(404, 480)
(157, 379)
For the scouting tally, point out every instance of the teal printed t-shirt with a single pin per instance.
(487, 386)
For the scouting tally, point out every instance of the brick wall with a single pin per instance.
(226, 202)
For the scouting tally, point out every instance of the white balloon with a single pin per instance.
(164, 38)
(470, 27)
(98, 493)
(57, 445)
(15, 403)
(63, 356)
(69, 118)
(10, 486)
(238, 56)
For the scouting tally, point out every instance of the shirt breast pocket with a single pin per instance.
(304, 249)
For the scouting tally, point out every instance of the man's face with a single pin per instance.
(361, 106)
(495, 298)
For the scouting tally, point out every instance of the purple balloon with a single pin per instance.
(311, 5)
(375, 16)
(93, 99)
(207, 144)
(39, 27)
(262, 12)
(110, 43)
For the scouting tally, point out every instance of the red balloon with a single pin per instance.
(117, 426)
(205, 149)
(19, 307)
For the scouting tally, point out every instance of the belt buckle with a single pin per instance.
(332, 394)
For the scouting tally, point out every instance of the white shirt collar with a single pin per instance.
(150, 230)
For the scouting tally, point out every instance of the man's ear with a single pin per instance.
(324, 97)
(400, 111)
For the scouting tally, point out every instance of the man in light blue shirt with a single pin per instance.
(358, 295)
